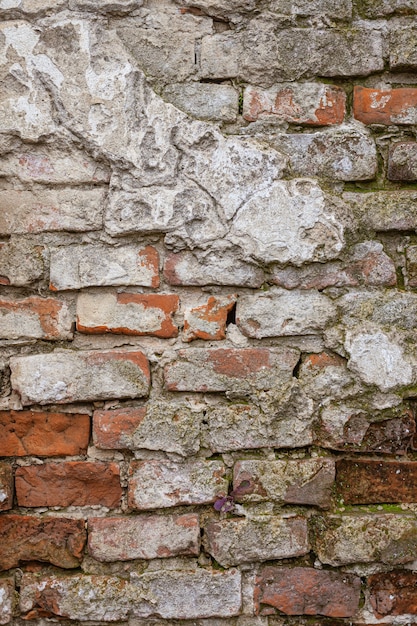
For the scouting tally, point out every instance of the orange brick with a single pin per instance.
(127, 313)
(34, 317)
(209, 320)
(394, 106)
(43, 434)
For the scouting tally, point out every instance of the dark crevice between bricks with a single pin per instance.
(296, 370)
(231, 316)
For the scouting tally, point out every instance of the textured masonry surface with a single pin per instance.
(208, 312)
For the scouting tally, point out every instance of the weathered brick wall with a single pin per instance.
(208, 360)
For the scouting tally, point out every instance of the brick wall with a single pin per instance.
(208, 312)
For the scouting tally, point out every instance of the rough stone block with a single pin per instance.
(285, 424)
(374, 482)
(389, 309)
(35, 318)
(30, 7)
(411, 260)
(43, 434)
(208, 321)
(308, 481)
(306, 591)
(383, 211)
(385, 106)
(166, 594)
(393, 593)
(6, 486)
(54, 540)
(100, 265)
(204, 100)
(157, 426)
(230, 369)
(160, 484)
(51, 210)
(280, 313)
(358, 430)
(382, 8)
(403, 53)
(21, 262)
(366, 264)
(186, 212)
(220, 56)
(186, 269)
(402, 161)
(345, 154)
(163, 42)
(273, 55)
(54, 166)
(235, 541)
(364, 538)
(289, 222)
(127, 313)
(143, 537)
(62, 377)
(69, 483)
(310, 104)
(7, 600)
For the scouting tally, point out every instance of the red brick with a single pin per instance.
(209, 320)
(70, 483)
(366, 481)
(53, 540)
(393, 593)
(143, 537)
(34, 317)
(310, 104)
(112, 430)
(127, 313)
(306, 591)
(6, 486)
(230, 369)
(393, 106)
(43, 434)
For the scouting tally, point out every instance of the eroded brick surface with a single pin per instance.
(72, 482)
(305, 591)
(59, 541)
(143, 537)
(6, 486)
(43, 434)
